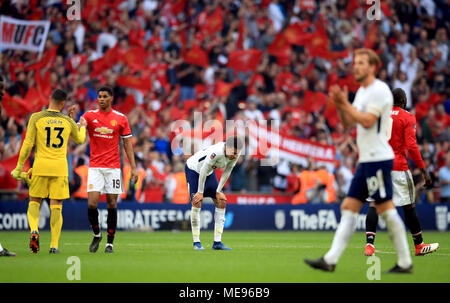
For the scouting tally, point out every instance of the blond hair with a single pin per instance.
(373, 57)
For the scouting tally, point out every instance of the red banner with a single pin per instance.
(275, 146)
(258, 199)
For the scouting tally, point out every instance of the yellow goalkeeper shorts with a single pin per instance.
(52, 187)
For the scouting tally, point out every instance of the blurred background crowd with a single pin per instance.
(167, 59)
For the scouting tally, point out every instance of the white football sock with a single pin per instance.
(342, 236)
(397, 233)
(219, 222)
(1, 248)
(195, 223)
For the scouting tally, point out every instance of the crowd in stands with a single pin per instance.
(141, 49)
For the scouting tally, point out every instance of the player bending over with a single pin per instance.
(371, 112)
(202, 182)
(403, 138)
(49, 130)
(105, 127)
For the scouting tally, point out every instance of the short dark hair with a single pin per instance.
(399, 97)
(234, 142)
(105, 89)
(59, 95)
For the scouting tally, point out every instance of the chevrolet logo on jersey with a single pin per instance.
(104, 130)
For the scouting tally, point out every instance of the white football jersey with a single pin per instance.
(205, 161)
(373, 142)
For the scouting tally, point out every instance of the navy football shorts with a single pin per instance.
(211, 183)
(372, 180)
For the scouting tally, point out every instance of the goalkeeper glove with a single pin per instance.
(16, 172)
(26, 176)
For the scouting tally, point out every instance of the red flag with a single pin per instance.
(134, 57)
(43, 84)
(102, 64)
(333, 55)
(196, 56)
(244, 60)
(352, 5)
(35, 99)
(142, 84)
(128, 104)
(188, 104)
(177, 6)
(241, 33)
(92, 8)
(213, 23)
(223, 89)
(319, 41)
(47, 58)
(7, 166)
(350, 82)
(15, 107)
(295, 33)
(330, 113)
(136, 35)
(385, 9)
(371, 36)
(314, 101)
(280, 48)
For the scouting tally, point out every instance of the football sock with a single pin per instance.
(33, 215)
(371, 225)
(397, 233)
(195, 223)
(56, 221)
(111, 221)
(219, 222)
(413, 224)
(343, 234)
(93, 220)
(1, 248)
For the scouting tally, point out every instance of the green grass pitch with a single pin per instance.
(256, 257)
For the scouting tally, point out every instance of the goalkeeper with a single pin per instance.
(49, 130)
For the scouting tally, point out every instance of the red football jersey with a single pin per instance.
(104, 131)
(403, 138)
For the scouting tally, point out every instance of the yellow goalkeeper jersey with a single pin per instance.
(50, 130)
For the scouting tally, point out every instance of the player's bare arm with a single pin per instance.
(197, 200)
(221, 199)
(337, 95)
(128, 146)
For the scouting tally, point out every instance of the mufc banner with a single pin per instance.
(23, 34)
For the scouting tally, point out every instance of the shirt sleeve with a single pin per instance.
(125, 130)
(78, 135)
(226, 174)
(28, 143)
(411, 142)
(379, 100)
(205, 170)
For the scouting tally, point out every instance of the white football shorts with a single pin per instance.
(403, 185)
(105, 180)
